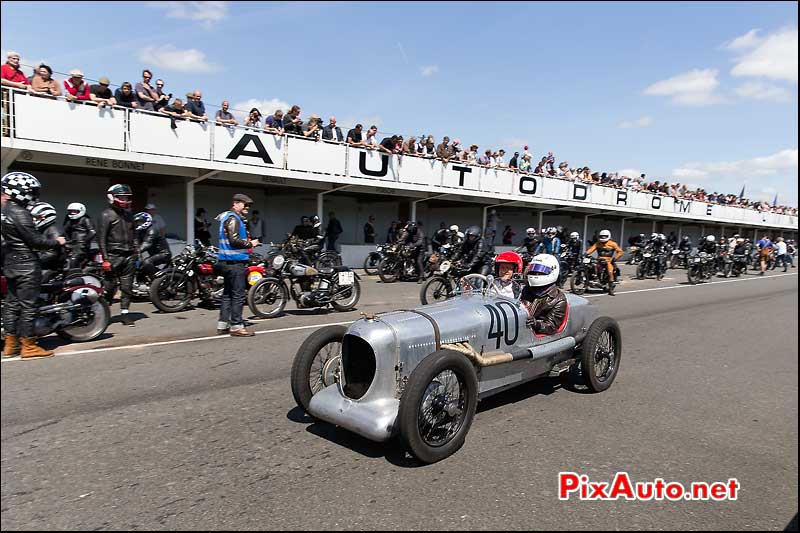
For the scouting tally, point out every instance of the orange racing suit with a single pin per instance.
(604, 252)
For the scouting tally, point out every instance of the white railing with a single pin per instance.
(136, 131)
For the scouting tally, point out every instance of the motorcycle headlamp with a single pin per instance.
(278, 261)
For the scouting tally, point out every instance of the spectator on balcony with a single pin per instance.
(274, 122)
(125, 97)
(564, 171)
(225, 117)
(513, 163)
(196, 109)
(429, 147)
(176, 110)
(11, 74)
(371, 142)
(77, 89)
(145, 94)
(388, 144)
(486, 159)
(499, 159)
(292, 124)
(101, 94)
(456, 148)
(332, 132)
(420, 148)
(410, 146)
(163, 98)
(312, 129)
(444, 151)
(43, 83)
(354, 136)
(253, 119)
(525, 164)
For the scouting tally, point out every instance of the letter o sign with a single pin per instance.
(656, 202)
(527, 185)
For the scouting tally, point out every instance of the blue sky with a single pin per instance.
(702, 93)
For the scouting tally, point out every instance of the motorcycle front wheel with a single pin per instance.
(171, 292)
(387, 269)
(371, 263)
(577, 283)
(436, 289)
(692, 275)
(267, 298)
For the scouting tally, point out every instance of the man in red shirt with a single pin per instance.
(11, 76)
(77, 89)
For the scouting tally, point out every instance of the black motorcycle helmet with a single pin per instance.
(411, 227)
(685, 238)
(472, 233)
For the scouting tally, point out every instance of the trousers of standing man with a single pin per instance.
(234, 293)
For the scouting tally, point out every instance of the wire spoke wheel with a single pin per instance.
(604, 357)
(324, 366)
(442, 409)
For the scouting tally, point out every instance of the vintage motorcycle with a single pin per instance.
(374, 259)
(737, 266)
(678, 259)
(72, 306)
(650, 265)
(591, 273)
(701, 268)
(634, 255)
(399, 263)
(309, 287)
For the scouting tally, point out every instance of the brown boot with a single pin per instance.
(12, 346)
(31, 350)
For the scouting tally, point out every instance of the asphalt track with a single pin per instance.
(137, 431)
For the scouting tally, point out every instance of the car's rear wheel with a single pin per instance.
(316, 362)
(438, 406)
(600, 354)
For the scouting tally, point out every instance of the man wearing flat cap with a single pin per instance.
(76, 87)
(234, 254)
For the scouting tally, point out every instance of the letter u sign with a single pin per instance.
(362, 165)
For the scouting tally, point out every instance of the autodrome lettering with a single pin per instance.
(240, 149)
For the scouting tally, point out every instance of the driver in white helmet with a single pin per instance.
(546, 304)
(79, 231)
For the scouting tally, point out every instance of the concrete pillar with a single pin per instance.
(585, 229)
(654, 227)
(190, 212)
(680, 231)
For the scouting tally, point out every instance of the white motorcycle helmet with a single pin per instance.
(43, 214)
(454, 228)
(711, 238)
(542, 271)
(575, 235)
(531, 232)
(604, 236)
(654, 236)
(76, 210)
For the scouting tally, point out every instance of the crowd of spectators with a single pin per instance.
(145, 97)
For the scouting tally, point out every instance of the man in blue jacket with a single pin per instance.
(234, 254)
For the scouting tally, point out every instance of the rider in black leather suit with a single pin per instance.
(474, 253)
(44, 220)
(115, 237)
(152, 242)
(79, 231)
(21, 263)
(415, 239)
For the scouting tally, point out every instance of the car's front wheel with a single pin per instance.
(438, 406)
(316, 362)
(600, 354)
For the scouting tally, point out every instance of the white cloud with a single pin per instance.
(170, 58)
(773, 56)
(642, 122)
(779, 164)
(429, 70)
(763, 91)
(748, 40)
(207, 13)
(695, 88)
(241, 110)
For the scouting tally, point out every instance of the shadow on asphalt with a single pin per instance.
(393, 450)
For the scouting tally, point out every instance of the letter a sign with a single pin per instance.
(259, 152)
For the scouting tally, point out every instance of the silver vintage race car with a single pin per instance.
(419, 373)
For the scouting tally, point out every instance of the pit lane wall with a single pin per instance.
(125, 134)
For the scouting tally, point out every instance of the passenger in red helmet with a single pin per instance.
(505, 266)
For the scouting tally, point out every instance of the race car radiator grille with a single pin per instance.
(358, 366)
